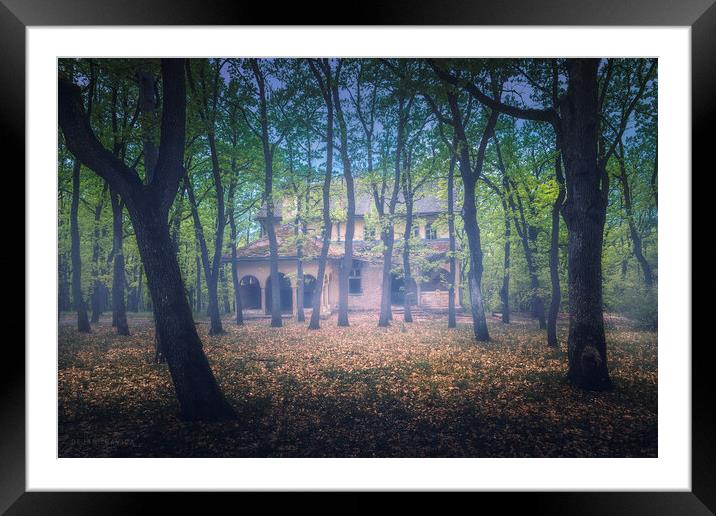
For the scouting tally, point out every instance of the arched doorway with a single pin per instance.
(309, 287)
(398, 290)
(286, 293)
(250, 292)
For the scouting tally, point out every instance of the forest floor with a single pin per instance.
(411, 390)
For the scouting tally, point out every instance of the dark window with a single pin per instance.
(354, 279)
(416, 231)
(430, 232)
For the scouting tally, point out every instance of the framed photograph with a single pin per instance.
(419, 252)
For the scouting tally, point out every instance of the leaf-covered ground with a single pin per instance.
(417, 390)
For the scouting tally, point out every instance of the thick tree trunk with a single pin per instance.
(556, 297)
(452, 323)
(148, 205)
(388, 238)
(347, 262)
(140, 290)
(199, 395)
(119, 309)
(472, 231)
(584, 214)
(469, 210)
(83, 324)
(315, 322)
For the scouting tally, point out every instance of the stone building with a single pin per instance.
(429, 260)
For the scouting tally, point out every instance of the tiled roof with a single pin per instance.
(425, 202)
(362, 250)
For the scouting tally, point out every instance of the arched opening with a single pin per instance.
(398, 290)
(250, 292)
(438, 280)
(286, 293)
(309, 287)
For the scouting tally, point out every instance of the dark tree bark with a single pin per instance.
(299, 229)
(83, 324)
(452, 323)
(584, 213)
(388, 220)
(637, 246)
(148, 205)
(469, 210)
(208, 96)
(224, 291)
(140, 290)
(408, 196)
(212, 279)
(575, 118)
(347, 262)
(505, 289)
(234, 237)
(554, 257)
(268, 152)
(97, 286)
(322, 72)
(300, 315)
(119, 309)
(528, 236)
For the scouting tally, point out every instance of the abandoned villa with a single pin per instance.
(429, 257)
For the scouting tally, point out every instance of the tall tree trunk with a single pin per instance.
(387, 223)
(234, 242)
(452, 323)
(528, 237)
(388, 238)
(140, 290)
(556, 297)
(119, 309)
(83, 324)
(407, 276)
(97, 285)
(505, 289)
(636, 241)
(212, 279)
(198, 393)
(472, 231)
(469, 211)
(584, 213)
(148, 205)
(268, 149)
(300, 316)
(224, 291)
(321, 71)
(347, 262)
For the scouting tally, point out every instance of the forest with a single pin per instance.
(169, 168)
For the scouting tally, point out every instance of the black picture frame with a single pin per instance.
(700, 15)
